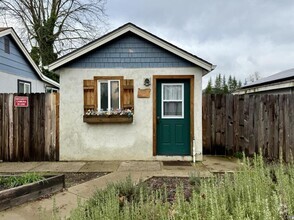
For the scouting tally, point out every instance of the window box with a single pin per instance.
(96, 119)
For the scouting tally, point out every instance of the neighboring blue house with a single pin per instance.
(18, 72)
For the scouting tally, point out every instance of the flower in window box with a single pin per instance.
(90, 112)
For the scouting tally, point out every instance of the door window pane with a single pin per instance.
(172, 109)
(114, 85)
(104, 96)
(172, 92)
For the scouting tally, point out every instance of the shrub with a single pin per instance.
(256, 191)
(13, 181)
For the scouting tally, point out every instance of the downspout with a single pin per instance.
(196, 152)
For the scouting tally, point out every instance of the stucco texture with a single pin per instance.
(82, 141)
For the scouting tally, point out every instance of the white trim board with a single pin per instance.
(264, 88)
(134, 29)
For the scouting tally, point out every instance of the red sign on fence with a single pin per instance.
(21, 101)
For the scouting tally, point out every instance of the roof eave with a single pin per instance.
(264, 88)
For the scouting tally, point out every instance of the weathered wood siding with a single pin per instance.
(248, 123)
(29, 134)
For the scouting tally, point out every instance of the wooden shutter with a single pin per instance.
(90, 95)
(128, 94)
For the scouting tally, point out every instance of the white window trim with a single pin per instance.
(162, 102)
(109, 93)
(24, 86)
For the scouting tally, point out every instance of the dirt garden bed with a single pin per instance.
(170, 184)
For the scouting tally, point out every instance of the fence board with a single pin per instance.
(251, 118)
(29, 133)
(57, 102)
(249, 123)
(5, 130)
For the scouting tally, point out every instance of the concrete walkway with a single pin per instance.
(68, 199)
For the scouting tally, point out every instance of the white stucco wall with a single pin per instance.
(8, 83)
(82, 141)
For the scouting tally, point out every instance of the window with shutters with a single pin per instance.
(108, 99)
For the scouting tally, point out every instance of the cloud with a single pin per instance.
(240, 37)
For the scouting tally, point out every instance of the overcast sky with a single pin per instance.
(240, 37)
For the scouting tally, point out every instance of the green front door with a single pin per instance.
(173, 117)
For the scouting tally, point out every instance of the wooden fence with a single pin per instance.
(248, 123)
(29, 133)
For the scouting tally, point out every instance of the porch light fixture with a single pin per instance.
(147, 82)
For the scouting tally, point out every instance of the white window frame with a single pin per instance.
(109, 93)
(163, 101)
(50, 90)
(25, 84)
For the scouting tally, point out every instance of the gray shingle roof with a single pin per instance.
(281, 76)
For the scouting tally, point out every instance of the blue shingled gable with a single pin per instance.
(129, 51)
(15, 62)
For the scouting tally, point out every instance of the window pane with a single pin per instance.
(114, 86)
(6, 45)
(103, 96)
(172, 108)
(20, 87)
(27, 88)
(172, 92)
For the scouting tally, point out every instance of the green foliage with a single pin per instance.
(223, 86)
(218, 84)
(208, 89)
(50, 74)
(257, 191)
(195, 180)
(13, 181)
(239, 155)
(35, 54)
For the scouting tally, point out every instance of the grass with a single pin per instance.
(13, 181)
(257, 191)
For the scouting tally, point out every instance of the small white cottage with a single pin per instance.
(130, 95)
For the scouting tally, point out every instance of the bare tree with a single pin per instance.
(55, 27)
(254, 76)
